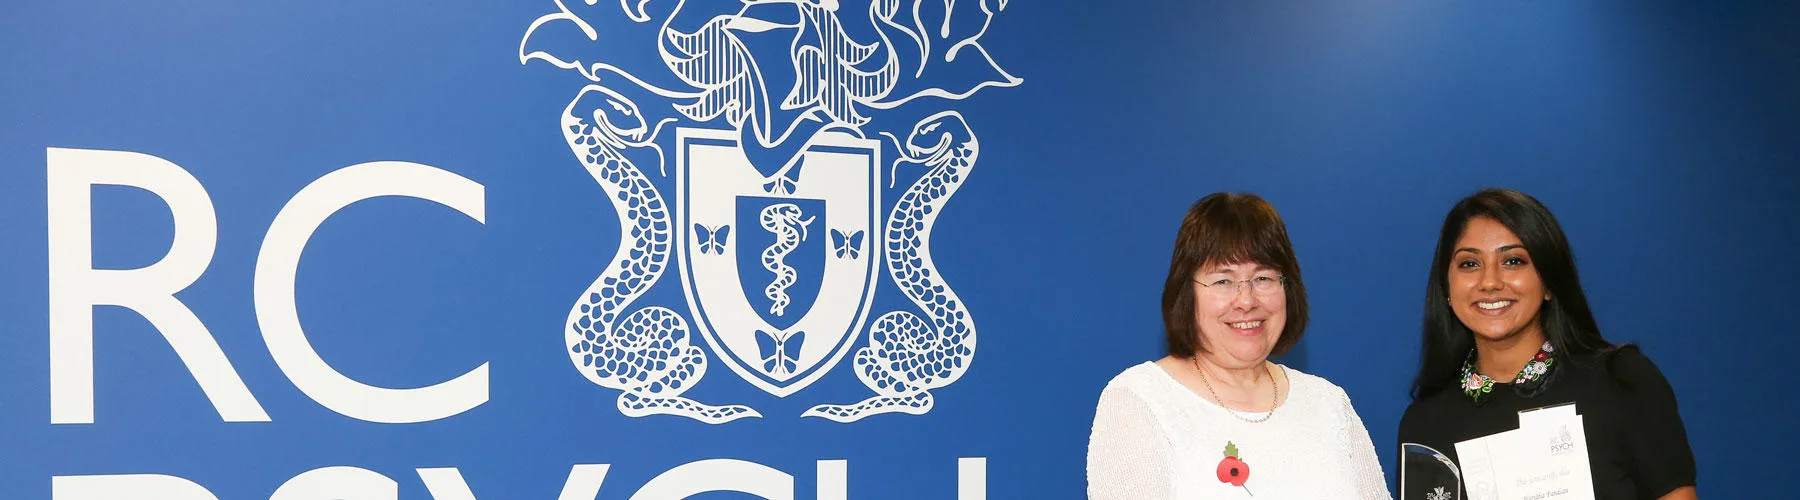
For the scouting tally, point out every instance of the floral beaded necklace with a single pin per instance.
(1528, 382)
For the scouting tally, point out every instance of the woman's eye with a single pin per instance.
(1466, 264)
(1514, 262)
(1220, 282)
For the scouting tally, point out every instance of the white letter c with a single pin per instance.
(279, 261)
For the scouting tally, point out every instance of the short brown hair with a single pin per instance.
(1229, 228)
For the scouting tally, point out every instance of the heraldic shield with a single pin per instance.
(779, 270)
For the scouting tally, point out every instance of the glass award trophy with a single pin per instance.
(1426, 474)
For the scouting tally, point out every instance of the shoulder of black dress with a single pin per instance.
(1628, 366)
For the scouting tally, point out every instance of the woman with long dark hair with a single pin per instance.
(1507, 328)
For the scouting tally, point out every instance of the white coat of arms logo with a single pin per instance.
(781, 218)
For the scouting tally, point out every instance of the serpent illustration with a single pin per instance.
(907, 355)
(649, 355)
(840, 78)
(784, 220)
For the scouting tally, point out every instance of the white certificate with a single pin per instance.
(1546, 458)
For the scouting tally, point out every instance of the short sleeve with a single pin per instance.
(1128, 456)
(1360, 452)
(1657, 441)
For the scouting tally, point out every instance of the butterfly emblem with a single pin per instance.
(1438, 493)
(779, 354)
(712, 239)
(846, 246)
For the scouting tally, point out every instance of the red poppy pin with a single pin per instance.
(1232, 470)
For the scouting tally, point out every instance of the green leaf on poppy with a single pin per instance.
(1231, 450)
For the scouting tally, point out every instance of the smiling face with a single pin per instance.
(1239, 320)
(1494, 288)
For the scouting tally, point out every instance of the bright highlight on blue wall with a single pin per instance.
(881, 251)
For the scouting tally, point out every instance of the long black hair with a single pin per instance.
(1566, 321)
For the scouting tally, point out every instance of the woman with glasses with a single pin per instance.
(1507, 329)
(1215, 418)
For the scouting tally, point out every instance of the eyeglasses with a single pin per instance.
(1259, 285)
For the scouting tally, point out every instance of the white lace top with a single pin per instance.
(1155, 439)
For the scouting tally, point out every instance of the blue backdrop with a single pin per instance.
(1665, 135)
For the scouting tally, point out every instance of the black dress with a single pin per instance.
(1637, 448)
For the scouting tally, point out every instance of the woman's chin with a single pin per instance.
(1492, 335)
(1249, 354)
